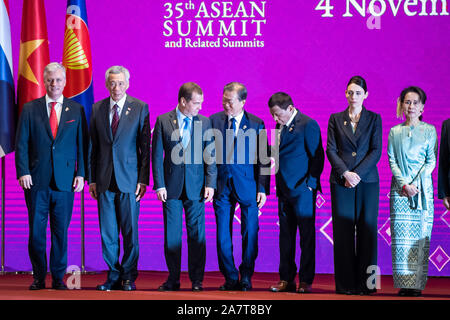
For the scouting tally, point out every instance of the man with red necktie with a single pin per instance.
(51, 163)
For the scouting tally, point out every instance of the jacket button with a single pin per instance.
(354, 154)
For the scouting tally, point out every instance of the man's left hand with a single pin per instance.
(261, 199)
(140, 191)
(78, 184)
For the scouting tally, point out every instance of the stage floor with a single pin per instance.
(15, 287)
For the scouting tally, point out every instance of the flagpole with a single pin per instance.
(3, 216)
(82, 233)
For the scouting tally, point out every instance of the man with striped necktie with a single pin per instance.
(119, 174)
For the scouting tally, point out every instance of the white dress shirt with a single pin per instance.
(58, 106)
(120, 105)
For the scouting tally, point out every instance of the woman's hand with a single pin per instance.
(410, 190)
(351, 179)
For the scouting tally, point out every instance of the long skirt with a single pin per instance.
(410, 236)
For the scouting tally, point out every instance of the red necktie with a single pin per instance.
(53, 120)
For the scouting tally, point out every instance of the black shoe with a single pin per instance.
(246, 286)
(109, 285)
(59, 285)
(128, 285)
(230, 286)
(414, 293)
(37, 285)
(197, 286)
(403, 292)
(169, 286)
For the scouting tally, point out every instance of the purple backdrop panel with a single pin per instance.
(305, 48)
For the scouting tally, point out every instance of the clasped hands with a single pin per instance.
(351, 179)
(140, 191)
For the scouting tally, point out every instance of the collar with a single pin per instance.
(291, 118)
(119, 103)
(181, 115)
(48, 100)
(238, 117)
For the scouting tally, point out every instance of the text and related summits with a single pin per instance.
(214, 24)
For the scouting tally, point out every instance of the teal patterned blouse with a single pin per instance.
(412, 158)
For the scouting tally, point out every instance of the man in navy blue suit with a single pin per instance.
(119, 174)
(184, 175)
(243, 178)
(51, 162)
(301, 159)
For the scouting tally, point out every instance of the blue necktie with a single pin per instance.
(233, 125)
(186, 132)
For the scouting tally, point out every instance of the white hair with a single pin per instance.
(117, 70)
(53, 67)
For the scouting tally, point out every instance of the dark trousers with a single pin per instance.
(224, 208)
(355, 214)
(58, 205)
(195, 227)
(119, 212)
(298, 212)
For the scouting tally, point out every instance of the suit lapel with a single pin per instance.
(289, 131)
(346, 126)
(105, 110)
(174, 124)
(363, 120)
(127, 113)
(43, 112)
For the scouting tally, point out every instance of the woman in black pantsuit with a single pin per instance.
(354, 149)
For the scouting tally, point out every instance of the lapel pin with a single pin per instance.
(174, 121)
(245, 127)
(290, 129)
(345, 123)
(126, 113)
(67, 109)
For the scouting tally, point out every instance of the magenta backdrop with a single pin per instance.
(306, 55)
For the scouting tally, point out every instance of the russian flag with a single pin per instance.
(7, 106)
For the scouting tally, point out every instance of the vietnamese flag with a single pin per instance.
(34, 53)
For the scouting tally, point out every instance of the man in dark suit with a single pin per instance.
(184, 175)
(51, 161)
(301, 159)
(444, 165)
(119, 173)
(243, 177)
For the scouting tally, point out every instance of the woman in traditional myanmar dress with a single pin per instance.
(412, 151)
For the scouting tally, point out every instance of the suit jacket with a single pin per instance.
(250, 177)
(128, 153)
(444, 162)
(38, 154)
(301, 157)
(172, 168)
(358, 152)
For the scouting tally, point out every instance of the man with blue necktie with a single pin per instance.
(243, 178)
(184, 175)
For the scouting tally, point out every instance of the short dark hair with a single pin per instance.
(281, 99)
(422, 97)
(419, 91)
(187, 90)
(239, 87)
(358, 80)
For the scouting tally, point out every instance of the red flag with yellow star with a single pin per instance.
(34, 54)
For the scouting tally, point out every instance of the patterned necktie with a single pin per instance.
(53, 120)
(186, 132)
(115, 120)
